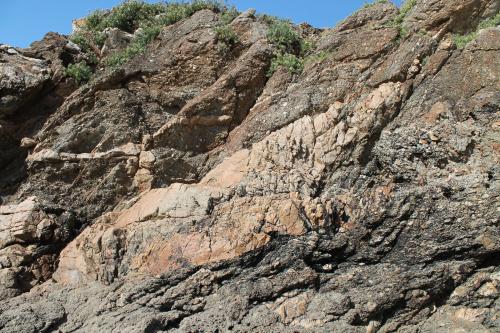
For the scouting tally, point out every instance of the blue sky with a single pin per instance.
(24, 21)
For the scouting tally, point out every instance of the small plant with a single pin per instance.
(291, 51)
(462, 40)
(226, 35)
(91, 59)
(490, 22)
(147, 34)
(137, 46)
(175, 13)
(228, 16)
(406, 7)
(316, 57)
(267, 19)
(397, 22)
(403, 32)
(306, 47)
(282, 35)
(373, 3)
(128, 16)
(94, 21)
(81, 72)
(89, 41)
(134, 14)
(423, 33)
(122, 57)
(289, 61)
(197, 5)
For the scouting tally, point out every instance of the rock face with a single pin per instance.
(31, 236)
(186, 191)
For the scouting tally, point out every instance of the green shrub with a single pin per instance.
(127, 16)
(197, 5)
(306, 47)
(397, 22)
(81, 72)
(289, 61)
(462, 40)
(373, 3)
(94, 21)
(137, 46)
(267, 19)
(88, 40)
(403, 32)
(425, 60)
(291, 50)
(228, 16)
(282, 35)
(147, 35)
(423, 33)
(490, 22)
(316, 57)
(91, 58)
(173, 14)
(406, 7)
(134, 14)
(121, 57)
(79, 39)
(226, 35)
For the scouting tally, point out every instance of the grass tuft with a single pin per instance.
(81, 72)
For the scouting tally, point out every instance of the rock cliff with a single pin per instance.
(237, 173)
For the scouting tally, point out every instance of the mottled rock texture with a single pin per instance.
(188, 191)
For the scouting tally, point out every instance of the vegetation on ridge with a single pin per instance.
(462, 40)
(287, 44)
(397, 22)
(373, 3)
(291, 49)
(223, 31)
(143, 19)
(81, 72)
(292, 52)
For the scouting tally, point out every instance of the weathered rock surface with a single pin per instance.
(188, 192)
(31, 236)
(32, 87)
(21, 77)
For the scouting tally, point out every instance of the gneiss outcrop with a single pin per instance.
(188, 168)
